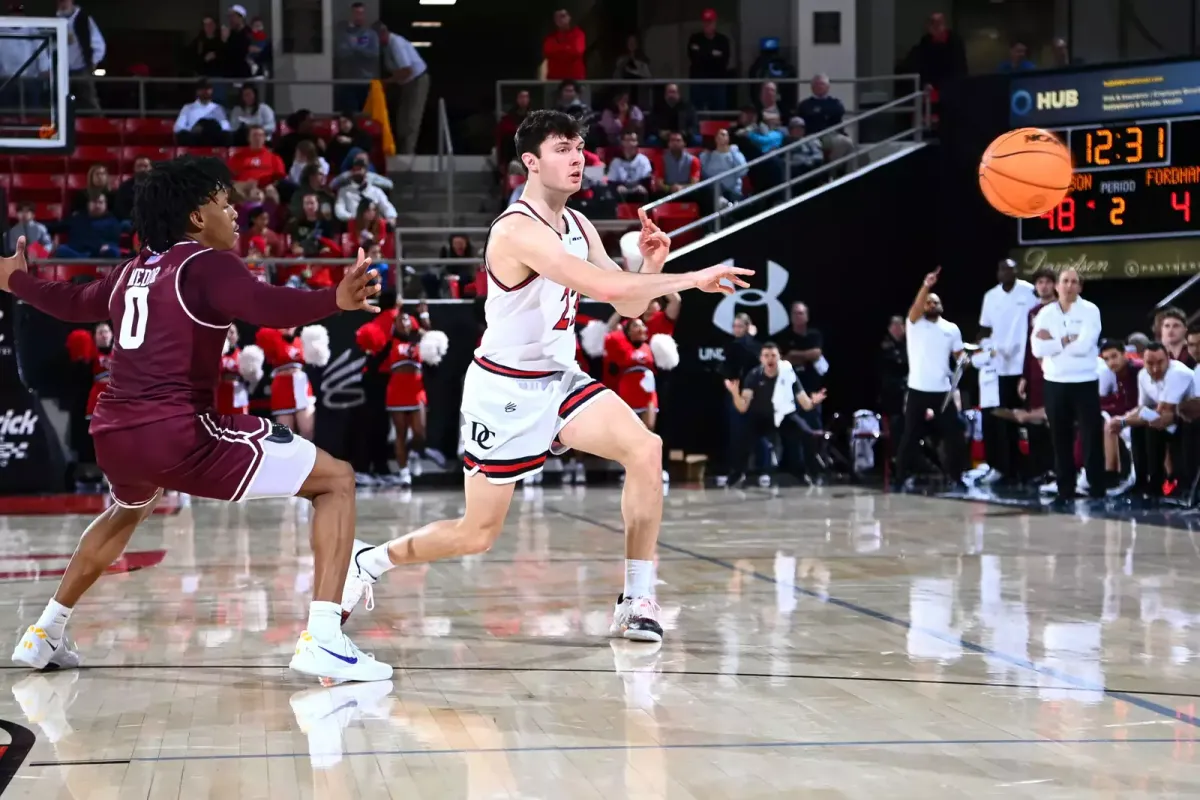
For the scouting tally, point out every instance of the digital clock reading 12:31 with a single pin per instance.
(1135, 180)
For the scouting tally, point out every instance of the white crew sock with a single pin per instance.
(325, 621)
(375, 561)
(54, 620)
(639, 578)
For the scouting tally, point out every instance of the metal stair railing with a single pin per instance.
(920, 113)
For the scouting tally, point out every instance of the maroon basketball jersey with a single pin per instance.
(165, 362)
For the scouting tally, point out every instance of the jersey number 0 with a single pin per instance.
(570, 299)
(135, 318)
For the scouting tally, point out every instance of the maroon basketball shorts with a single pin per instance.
(224, 457)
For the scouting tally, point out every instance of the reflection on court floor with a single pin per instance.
(824, 643)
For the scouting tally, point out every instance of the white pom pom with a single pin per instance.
(630, 251)
(433, 347)
(665, 350)
(591, 338)
(250, 363)
(316, 345)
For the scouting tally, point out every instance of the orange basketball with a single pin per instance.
(1025, 172)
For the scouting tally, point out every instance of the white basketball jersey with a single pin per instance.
(531, 326)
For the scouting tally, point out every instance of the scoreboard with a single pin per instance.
(1133, 180)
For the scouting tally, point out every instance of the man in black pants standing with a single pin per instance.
(932, 342)
(1066, 338)
(1004, 322)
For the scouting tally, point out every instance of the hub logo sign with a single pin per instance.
(1023, 102)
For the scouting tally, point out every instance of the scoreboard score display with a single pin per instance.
(1134, 137)
(1132, 180)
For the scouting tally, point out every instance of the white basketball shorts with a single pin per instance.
(511, 418)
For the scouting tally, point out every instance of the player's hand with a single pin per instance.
(1022, 388)
(721, 279)
(653, 243)
(358, 285)
(14, 263)
(1044, 335)
(734, 387)
(819, 397)
(931, 278)
(1113, 425)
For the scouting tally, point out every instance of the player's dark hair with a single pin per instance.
(166, 196)
(1155, 347)
(769, 346)
(1044, 272)
(1112, 344)
(1193, 329)
(538, 126)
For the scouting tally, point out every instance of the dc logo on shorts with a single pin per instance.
(777, 313)
(481, 435)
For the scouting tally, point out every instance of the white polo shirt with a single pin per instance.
(1007, 314)
(1077, 362)
(1174, 388)
(930, 346)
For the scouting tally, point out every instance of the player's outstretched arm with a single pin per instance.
(534, 245)
(221, 289)
(69, 302)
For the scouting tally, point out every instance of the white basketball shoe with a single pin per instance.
(358, 583)
(36, 651)
(636, 619)
(338, 661)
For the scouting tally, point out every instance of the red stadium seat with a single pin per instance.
(51, 164)
(655, 154)
(670, 216)
(628, 210)
(213, 152)
(5, 181)
(65, 272)
(150, 130)
(710, 127)
(131, 154)
(371, 127)
(696, 151)
(325, 128)
(38, 187)
(87, 155)
(76, 182)
(97, 131)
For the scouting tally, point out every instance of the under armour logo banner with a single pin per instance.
(777, 313)
(480, 435)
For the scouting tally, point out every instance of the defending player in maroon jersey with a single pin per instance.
(155, 427)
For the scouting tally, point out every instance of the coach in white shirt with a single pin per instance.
(933, 343)
(202, 122)
(1066, 338)
(1005, 321)
(1155, 424)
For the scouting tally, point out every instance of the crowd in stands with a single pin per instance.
(633, 156)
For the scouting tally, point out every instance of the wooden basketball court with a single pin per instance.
(829, 643)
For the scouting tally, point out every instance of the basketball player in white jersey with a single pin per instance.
(524, 397)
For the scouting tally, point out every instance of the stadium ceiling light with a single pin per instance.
(438, 2)
(421, 44)
(428, 23)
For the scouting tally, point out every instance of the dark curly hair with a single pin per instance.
(166, 196)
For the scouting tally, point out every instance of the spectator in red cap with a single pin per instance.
(563, 50)
(708, 52)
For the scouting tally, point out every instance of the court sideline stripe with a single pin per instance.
(880, 616)
(696, 673)
(601, 748)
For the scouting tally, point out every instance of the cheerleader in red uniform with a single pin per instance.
(631, 360)
(233, 396)
(292, 400)
(103, 338)
(630, 369)
(406, 390)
